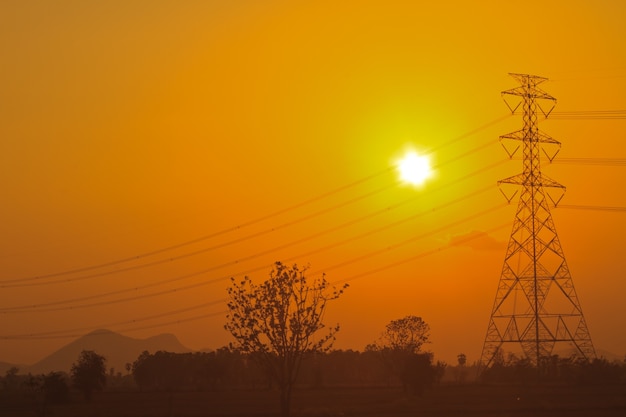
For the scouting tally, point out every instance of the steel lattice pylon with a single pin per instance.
(536, 307)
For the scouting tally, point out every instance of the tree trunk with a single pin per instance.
(285, 400)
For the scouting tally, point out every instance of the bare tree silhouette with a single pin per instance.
(276, 321)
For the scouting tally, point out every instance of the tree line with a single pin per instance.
(555, 369)
(231, 369)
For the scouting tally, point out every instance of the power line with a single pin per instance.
(69, 333)
(419, 255)
(583, 115)
(29, 281)
(64, 333)
(584, 161)
(60, 305)
(202, 238)
(242, 225)
(591, 161)
(589, 114)
(36, 336)
(37, 281)
(596, 208)
(119, 323)
(415, 238)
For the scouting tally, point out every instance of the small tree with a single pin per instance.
(11, 379)
(89, 373)
(407, 334)
(277, 320)
(462, 360)
(400, 348)
(55, 388)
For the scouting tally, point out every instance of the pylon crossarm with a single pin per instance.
(517, 91)
(523, 78)
(539, 94)
(515, 180)
(517, 135)
(528, 91)
(543, 138)
(544, 181)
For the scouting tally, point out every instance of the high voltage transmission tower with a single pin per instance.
(536, 309)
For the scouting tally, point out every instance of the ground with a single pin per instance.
(441, 401)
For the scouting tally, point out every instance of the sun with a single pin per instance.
(414, 168)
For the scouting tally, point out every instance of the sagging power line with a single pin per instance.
(257, 220)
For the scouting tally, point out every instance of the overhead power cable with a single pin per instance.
(241, 225)
(596, 208)
(583, 115)
(39, 280)
(590, 114)
(591, 161)
(113, 324)
(73, 333)
(62, 305)
(35, 336)
(420, 255)
(414, 238)
(36, 281)
(199, 239)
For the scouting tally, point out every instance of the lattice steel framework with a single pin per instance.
(536, 307)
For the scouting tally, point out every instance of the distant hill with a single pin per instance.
(116, 348)
(5, 366)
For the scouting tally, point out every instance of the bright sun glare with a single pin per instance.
(414, 169)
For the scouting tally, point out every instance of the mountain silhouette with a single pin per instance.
(5, 366)
(116, 348)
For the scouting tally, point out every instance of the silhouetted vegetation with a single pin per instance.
(218, 370)
(276, 321)
(11, 380)
(555, 369)
(231, 369)
(330, 383)
(39, 391)
(55, 388)
(399, 347)
(89, 373)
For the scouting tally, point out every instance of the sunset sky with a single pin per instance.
(150, 150)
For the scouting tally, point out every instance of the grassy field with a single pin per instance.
(445, 400)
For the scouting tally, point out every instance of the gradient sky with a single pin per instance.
(257, 131)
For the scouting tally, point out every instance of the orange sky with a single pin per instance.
(131, 127)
